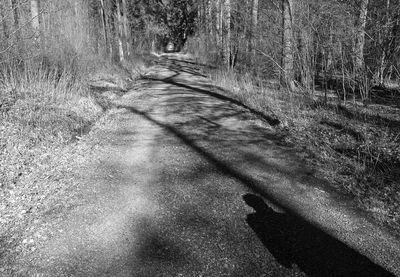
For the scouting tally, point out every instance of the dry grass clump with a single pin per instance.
(39, 108)
(354, 148)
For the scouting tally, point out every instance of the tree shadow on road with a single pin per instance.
(205, 90)
(292, 240)
(288, 237)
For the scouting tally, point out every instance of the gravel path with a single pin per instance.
(190, 183)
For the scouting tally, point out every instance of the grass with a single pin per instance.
(44, 114)
(42, 108)
(357, 149)
(39, 109)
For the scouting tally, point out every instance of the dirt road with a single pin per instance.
(192, 183)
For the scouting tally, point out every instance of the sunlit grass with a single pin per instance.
(366, 169)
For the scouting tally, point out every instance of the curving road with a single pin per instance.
(193, 183)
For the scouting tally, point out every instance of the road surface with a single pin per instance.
(194, 183)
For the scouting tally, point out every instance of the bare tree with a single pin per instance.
(287, 76)
(104, 25)
(35, 14)
(219, 19)
(227, 33)
(254, 24)
(360, 36)
(120, 32)
(126, 27)
(3, 18)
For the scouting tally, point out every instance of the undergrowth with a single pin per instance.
(43, 107)
(39, 109)
(358, 155)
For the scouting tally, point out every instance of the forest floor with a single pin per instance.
(179, 179)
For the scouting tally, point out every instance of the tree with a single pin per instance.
(35, 14)
(226, 33)
(287, 77)
(6, 31)
(126, 27)
(254, 24)
(120, 32)
(105, 29)
(17, 29)
(360, 36)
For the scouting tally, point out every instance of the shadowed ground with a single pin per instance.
(193, 183)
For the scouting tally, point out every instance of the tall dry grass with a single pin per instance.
(45, 102)
(40, 110)
(359, 157)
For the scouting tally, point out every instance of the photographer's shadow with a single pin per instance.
(292, 240)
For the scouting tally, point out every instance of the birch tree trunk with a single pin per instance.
(37, 23)
(360, 37)
(35, 15)
(218, 25)
(254, 24)
(226, 37)
(209, 19)
(287, 77)
(120, 32)
(127, 30)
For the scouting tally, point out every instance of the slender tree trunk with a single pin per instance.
(18, 33)
(209, 17)
(360, 37)
(304, 59)
(227, 33)
(104, 23)
(120, 32)
(37, 22)
(287, 77)
(386, 33)
(6, 31)
(219, 27)
(127, 30)
(254, 24)
(35, 14)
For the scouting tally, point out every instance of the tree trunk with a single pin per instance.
(209, 17)
(127, 30)
(254, 24)
(360, 37)
(18, 35)
(219, 33)
(386, 34)
(287, 77)
(120, 32)
(226, 37)
(6, 31)
(104, 23)
(35, 14)
(304, 59)
(37, 22)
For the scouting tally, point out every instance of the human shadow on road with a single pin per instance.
(292, 240)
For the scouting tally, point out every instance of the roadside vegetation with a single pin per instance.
(355, 148)
(55, 85)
